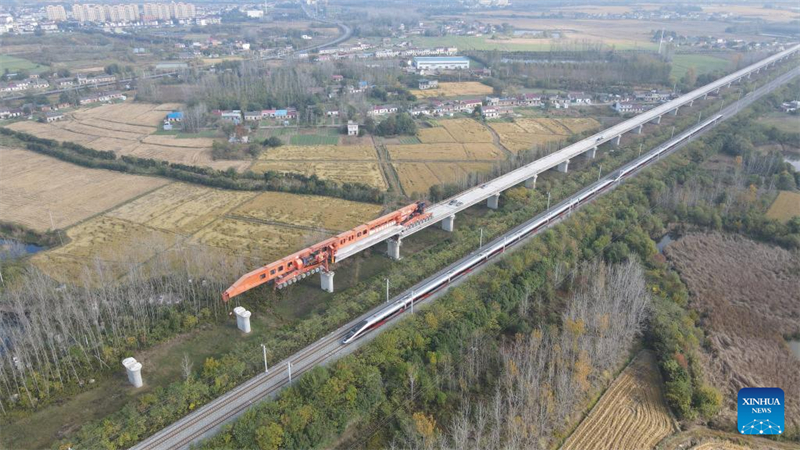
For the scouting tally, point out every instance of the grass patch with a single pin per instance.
(409, 140)
(181, 135)
(14, 64)
(701, 63)
(780, 120)
(785, 206)
(313, 139)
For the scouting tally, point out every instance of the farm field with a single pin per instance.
(13, 64)
(455, 89)
(466, 130)
(525, 133)
(257, 225)
(418, 177)
(435, 135)
(701, 63)
(445, 152)
(631, 414)
(725, 273)
(319, 152)
(638, 42)
(352, 172)
(34, 188)
(127, 129)
(313, 139)
(785, 206)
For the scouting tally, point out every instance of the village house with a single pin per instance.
(352, 128)
(252, 116)
(53, 117)
(82, 80)
(382, 110)
(579, 98)
(428, 84)
(626, 107)
(175, 116)
(791, 106)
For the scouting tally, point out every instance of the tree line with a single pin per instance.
(206, 176)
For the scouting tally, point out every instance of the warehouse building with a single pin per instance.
(441, 62)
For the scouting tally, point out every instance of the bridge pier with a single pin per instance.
(242, 318)
(617, 140)
(394, 248)
(705, 96)
(326, 281)
(563, 167)
(691, 103)
(447, 223)
(657, 120)
(639, 129)
(493, 202)
(675, 111)
(591, 153)
(530, 183)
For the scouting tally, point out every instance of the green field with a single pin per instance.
(409, 140)
(13, 64)
(313, 139)
(781, 120)
(486, 43)
(701, 63)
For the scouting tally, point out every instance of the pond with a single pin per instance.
(794, 160)
(665, 241)
(10, 249)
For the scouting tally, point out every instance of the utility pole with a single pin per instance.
(387, 290)
(640, 148)
(289, 365)
(673, 132)
(599, 172)
(548, 200)
(264, 347)
(480, 244)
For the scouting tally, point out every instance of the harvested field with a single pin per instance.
(526, 133)
(307, 210)
(445, 152)
(632, 414)
(455, 89)
(719, 445)
(419, 177)
(181, 208)
(785, 206)
(34, 186)
(748, 295)
(126, 129)
(320, 152)
(352, 172)
(256, 240)
(436, 135)
(466, 130)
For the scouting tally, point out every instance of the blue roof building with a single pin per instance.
(175, 116)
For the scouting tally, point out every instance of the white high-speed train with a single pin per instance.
(499, 245)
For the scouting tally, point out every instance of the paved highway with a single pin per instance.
(452, 206)
(208, 419)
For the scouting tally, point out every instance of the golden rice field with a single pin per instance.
(455, 89)
(785, 206)
(466, 130)
(35, 189)
(319, 152)
(418, 177)
(435, 135)
(445, 152)
(309, 211)
(126, 129)
(526, 133)
(352, 172)
(251, 224)
(631, 414)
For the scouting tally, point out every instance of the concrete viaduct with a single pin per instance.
(445, 211)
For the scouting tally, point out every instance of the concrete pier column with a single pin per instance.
(691, 103)
(394, 248)
(563, 167)
(705, 96)
(675, 111)
(242, 318)
(617, 140)
(530, 183)
(639, 129)
(591, 153)
(493, 202)
(134, 370)
(447, 223)
(326, 281)
(657, 120)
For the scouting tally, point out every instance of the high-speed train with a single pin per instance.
(499, 245)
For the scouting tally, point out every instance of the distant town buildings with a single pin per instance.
(56, 13)
(125, 12)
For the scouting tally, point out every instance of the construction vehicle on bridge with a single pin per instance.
(320, 256)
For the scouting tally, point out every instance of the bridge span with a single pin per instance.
(445, 211)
